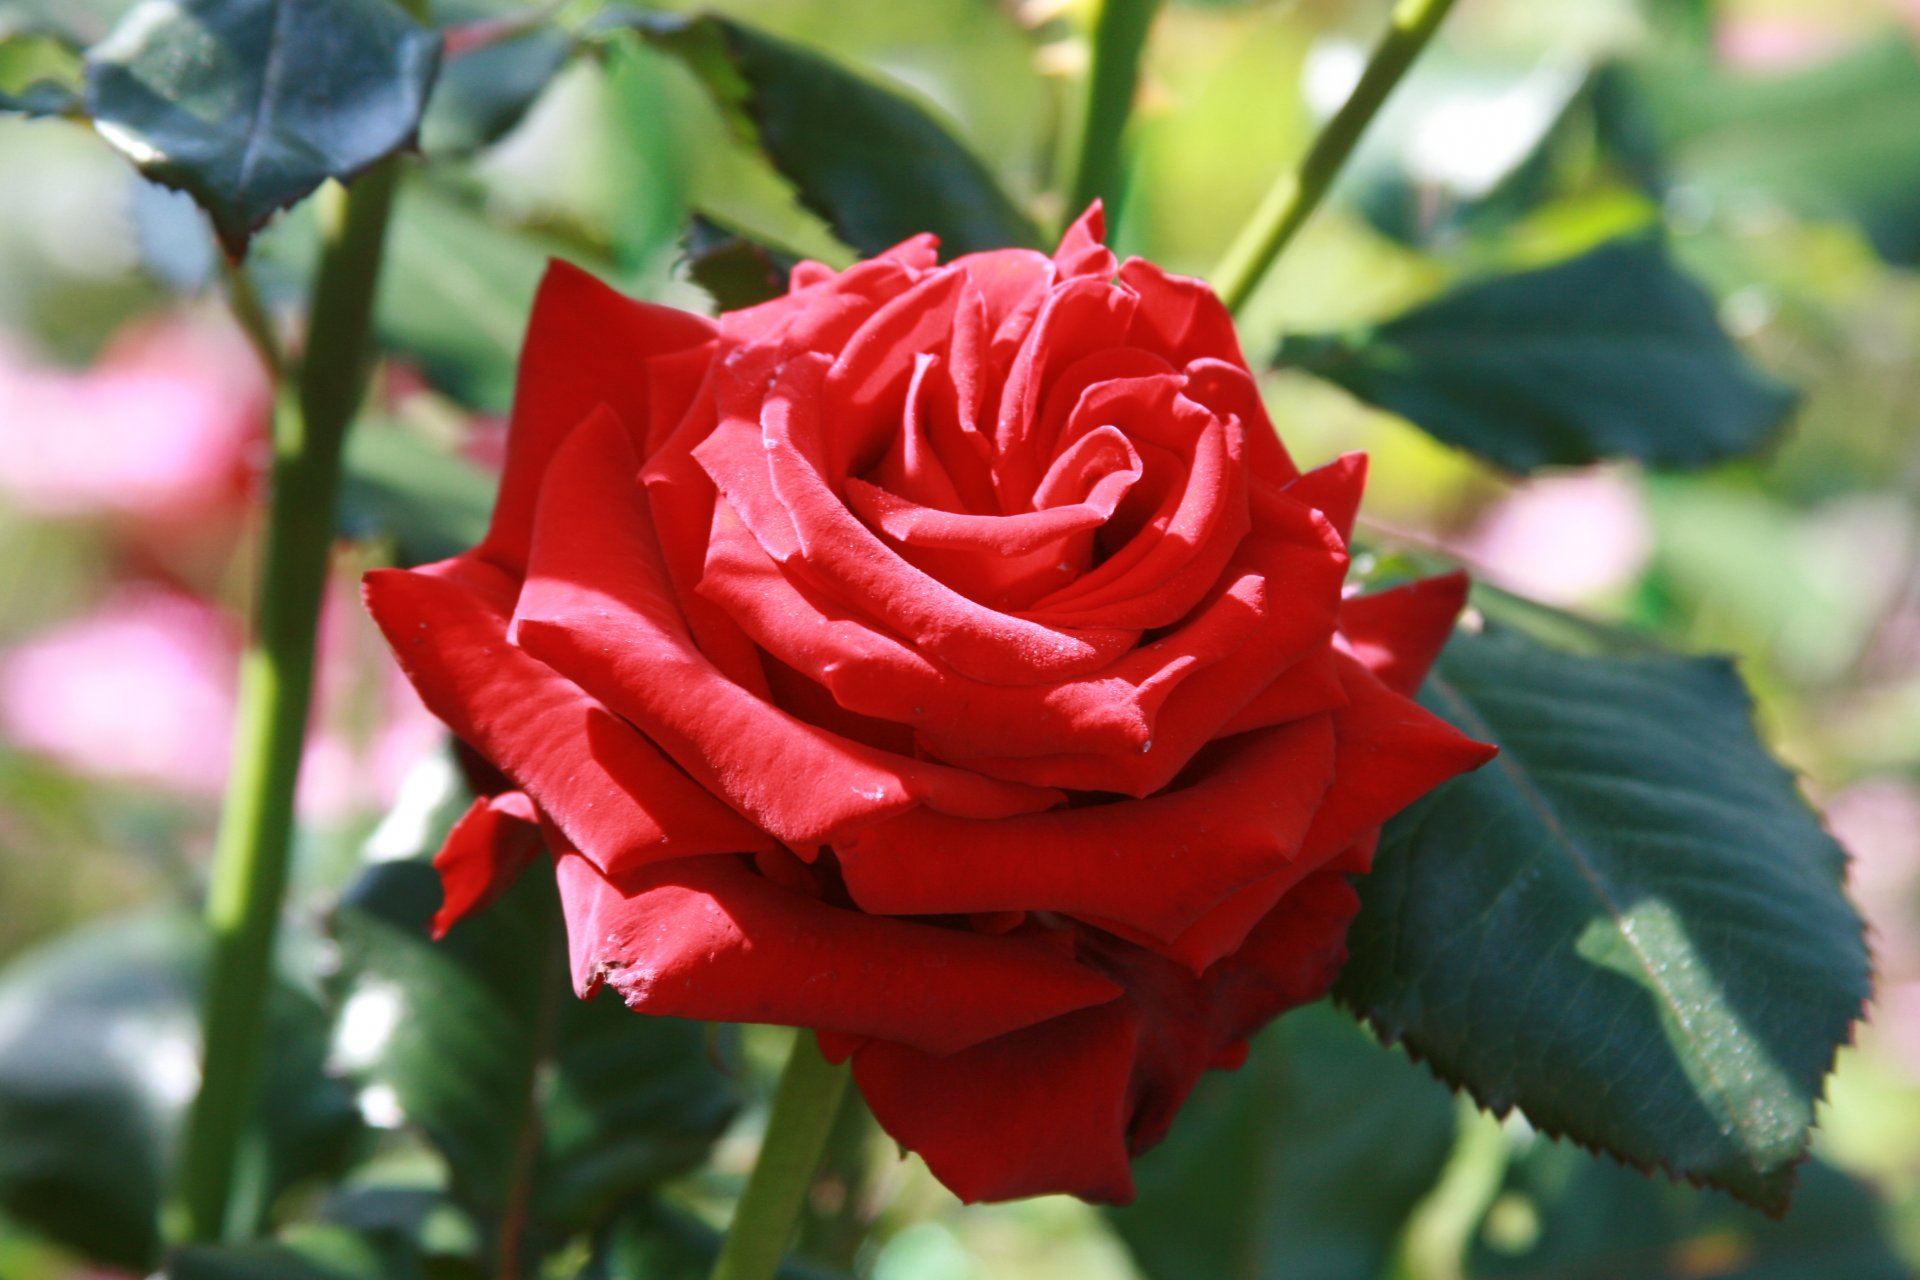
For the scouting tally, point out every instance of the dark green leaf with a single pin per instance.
(248, 105)
(1591, 1220)
(1837, 141)
(480, 1037)
(99, 1055)
(1614, 353)
(431, 501)
(735, 271)
(1630, 925)
(500, 57)
(877, 166)
(1302, 1165)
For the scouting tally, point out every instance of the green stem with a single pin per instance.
(253, 317)
(276, 681)
(1298, 193)
(1118, 37)
(803, 1111)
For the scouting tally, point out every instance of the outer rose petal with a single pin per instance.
(586, 345)
(1037, 1112)
(994, 1122)
(492, 843)
(708, 938)
(1388, 752)
(612, 794)
(1399, 633)
(1156, 864)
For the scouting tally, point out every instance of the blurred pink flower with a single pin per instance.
(1776, 44)
(164, 426)
(1878, 821)
(139, 690)
(1563, 540)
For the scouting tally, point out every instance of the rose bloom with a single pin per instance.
(948, 659)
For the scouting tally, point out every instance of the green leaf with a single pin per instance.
(99, 1057)
(1614, 353)
(1302, 1165)
(1629, 925)
(490, 76)
(431, 501)
(315, 1253)
(455, 293)
(481, 1042)
(1564, 1214)
(656, 1241)
(41, 98)
(248, 105)
(1834, 141)
(735, 271)
(875, 165)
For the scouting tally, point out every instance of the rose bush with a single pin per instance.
(948, 659)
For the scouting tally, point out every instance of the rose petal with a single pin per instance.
(597, 607)
(1334, 490)
(1398, 633)
(615, 797)
(1156, 864)
(496, 839)
(1038, 1112)
(782, 497)
(707, 938)
(586, 345)
(1388, 752)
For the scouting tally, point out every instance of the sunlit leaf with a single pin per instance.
(1629, 925)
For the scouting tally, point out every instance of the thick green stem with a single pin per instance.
(1298, 193)
(276, 681)
(803, 1111)
(1118, 37)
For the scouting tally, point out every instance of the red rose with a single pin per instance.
(947, 659)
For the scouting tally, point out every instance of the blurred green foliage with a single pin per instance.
(1773, 144)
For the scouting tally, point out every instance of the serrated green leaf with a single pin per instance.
(875, 165)
(482, 1042)
(1592, 1220)
(431, 501)
(248, 105)
(1612, 354)
(99, 1057)
(1302, 1165)
(1629, 925)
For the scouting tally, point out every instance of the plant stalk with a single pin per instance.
(803, 1112)
(1098, 161)
(249, 877)
(1292, 200)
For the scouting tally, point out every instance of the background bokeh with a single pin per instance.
(132, 418)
